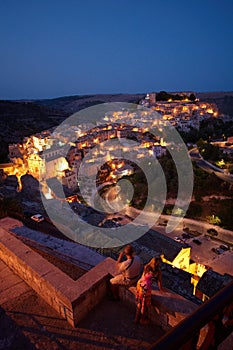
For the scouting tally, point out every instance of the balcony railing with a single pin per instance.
(185, 335)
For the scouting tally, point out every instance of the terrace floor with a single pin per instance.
(28, 322)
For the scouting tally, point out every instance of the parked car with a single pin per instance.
(196, 241)
(186, 235)
(216, 251)
(212, 232)
(37, 217)
(117, 219)
(224, 247)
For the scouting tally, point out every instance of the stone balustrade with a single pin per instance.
(73, 300)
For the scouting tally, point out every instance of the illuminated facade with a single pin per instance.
(183, 261)
(36, 165)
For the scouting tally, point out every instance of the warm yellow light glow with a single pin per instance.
(140, 155)
(220, 163)
(120, 165)
(62, 165)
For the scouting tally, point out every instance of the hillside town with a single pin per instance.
(196, 257)
(116, 175)
(43, 149)
(45, 156)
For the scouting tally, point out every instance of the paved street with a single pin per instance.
(203, 253)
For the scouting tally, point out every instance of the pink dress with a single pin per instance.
(144, 287)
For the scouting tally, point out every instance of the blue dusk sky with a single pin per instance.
(54, 48)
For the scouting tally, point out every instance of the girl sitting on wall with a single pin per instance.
(144, 286)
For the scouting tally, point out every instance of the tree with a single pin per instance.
(192, 97)
(208, 151)
(194, 210)
(213, 219)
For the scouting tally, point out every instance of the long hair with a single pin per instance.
(153, 265)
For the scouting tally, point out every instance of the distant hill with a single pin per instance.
(22, 118)
(72, 104)
(213, 94)
(223, 100)
(19, 119)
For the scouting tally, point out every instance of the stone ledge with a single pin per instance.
(167, 308)
(72, 299)
(75, 299)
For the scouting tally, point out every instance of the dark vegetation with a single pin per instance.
(210, 129)
(209, 151)
(20, 119)
(165, 96)
(215, 155)
(205, 185)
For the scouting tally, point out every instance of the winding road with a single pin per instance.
(208, 167)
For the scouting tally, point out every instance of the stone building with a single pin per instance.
(210, 283)
(36, 165)
(69, 179)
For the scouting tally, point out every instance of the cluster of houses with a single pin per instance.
(60, 152)
(46, 155)
(183, 114)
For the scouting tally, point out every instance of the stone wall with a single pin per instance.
(167, 309)
(72, 299)
(75, 299)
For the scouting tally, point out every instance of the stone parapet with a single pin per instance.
(167, 308)
(73, 300)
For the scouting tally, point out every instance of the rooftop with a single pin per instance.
(211, 282)
(161, 244)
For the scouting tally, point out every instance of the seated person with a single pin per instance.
(129, 271)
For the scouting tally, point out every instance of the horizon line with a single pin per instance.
(109, 93)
